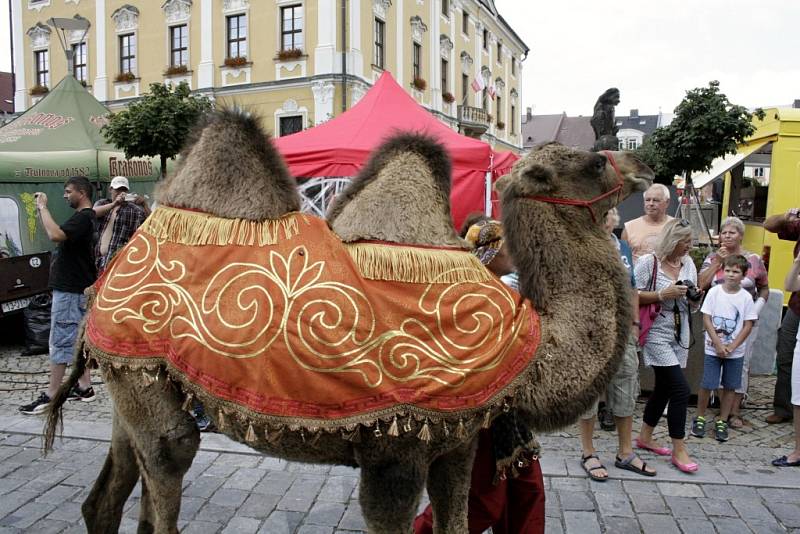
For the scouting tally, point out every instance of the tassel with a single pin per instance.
(506, 407)
(250, 436)
(407, 426)
(425, 433)
(276, 436)
(221, 420)
(461, 432)
(393, 430)
(302, 436)
(445, 429)
(146, 378)
(316, 437)
(187, 404)
(377, 430)
(487, 419)
(355, 435)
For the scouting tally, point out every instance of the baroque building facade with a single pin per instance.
(296, 63)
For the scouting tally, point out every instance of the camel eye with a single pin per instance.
(600, 163)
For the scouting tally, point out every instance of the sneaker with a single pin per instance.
(78, 394)
(36, 407)
(721, 430)
(699, 427)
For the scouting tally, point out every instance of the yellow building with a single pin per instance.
(295, 62)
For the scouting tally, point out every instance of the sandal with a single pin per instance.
(628, 465)
(591, 470)
(783, 461)
(660, 451)
(735, 421)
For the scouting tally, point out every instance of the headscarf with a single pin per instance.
(486, 238)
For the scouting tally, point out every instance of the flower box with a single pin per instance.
(290, 53)
(419, 84)
(501, 125)
(176, 70)
(39, 90)
(238, 61)
(125, 77)
(448, 98)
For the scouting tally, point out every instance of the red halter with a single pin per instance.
(588, 203)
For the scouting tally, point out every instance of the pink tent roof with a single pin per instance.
(341, 146)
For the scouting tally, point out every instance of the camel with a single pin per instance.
(230, 172)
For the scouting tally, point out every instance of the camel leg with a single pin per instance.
(103, 508)
(390, 492)
(448, 488)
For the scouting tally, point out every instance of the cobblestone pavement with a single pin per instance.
(230, 489)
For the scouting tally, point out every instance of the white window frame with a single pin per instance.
(279, 4)
(188, 43)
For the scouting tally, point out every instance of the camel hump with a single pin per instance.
(402, 195)
(230, 168)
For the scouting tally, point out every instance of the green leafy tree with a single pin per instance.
(158, 123)
(706, 126)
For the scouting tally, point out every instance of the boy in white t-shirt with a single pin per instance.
(728, 316)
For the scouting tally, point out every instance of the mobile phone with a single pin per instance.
(130, 197)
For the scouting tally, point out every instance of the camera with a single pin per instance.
(130, 197)
(692, 293)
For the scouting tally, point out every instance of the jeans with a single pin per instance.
(65, 315)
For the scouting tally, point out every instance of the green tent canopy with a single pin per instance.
(57, 138)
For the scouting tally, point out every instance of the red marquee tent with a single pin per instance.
(341, 146)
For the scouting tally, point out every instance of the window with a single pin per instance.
(486, 39)
(79, 62)
(499, 52)
(464, 87)
(465, 23)
(380, 40)
(179, 46)
(291, 124)
(445, 85)
(485, 99)
(499, 106)
(42, 62)
(513, 120)
(758, 172)
(292, 27)
(237, 35)
(632, 144)
(621, 144)
(127, 53)
(513, 66)
(417, 60)
(446, 8)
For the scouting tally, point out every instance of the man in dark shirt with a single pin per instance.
(787, 226)
(73, 271)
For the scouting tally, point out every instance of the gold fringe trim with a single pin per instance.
(195, 228)
(416, 265)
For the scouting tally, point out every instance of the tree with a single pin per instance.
(706, 126)
(158, 123)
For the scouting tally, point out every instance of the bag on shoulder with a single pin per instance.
(649, 312)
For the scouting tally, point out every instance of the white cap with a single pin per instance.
(120, 181)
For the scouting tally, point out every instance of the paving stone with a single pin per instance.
(238, 460)
(338, 489)
(766, 528)
(680, 490)
(10, 484)
(576, 501)
(203, 487)
(201, 527)
(621, 525)
(719, 507)
(788, 514)
(722, 491)
(58, 494)
(69, 512)
(242, 525)
(244, 478)
(275, 483)
(683, 507)
(215, 513)
(570, 484)
(325, 514)
(752, 511)
(639, 487)
(658, 524)
(273, 464)
(28, 514)
(258, 506)
(281, 522)
(229, 497)
(353, 519)
(553, 527)
(697, 526)
(301, 468)
(648, 504)
(314, 529)
(48, 526)
(552, 508)
(731, 525)
(609, 486)
(48, 479)
(15, 500)
(581, 523)
(614, 504)
(190, 506)
(780, 494)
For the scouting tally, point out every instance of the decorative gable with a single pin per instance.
(177, 10)
(126, 18)
(417, 28)
(39, 35)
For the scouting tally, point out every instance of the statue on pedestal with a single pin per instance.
(605, 131)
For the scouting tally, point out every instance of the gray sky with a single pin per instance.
(653, 50)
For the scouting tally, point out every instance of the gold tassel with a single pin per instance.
(250, 436)
(425, 433)
(187, 404)
(445, 429)
(377, 430)
(393, 430)
(355, 435)
(315, 438)
(276, 436)
(407, 426)
(376, 261)
(461, 432)
(487, 419)
(147, 378)
(221, 419)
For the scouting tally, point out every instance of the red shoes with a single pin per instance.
(686, 468)
(661, 451)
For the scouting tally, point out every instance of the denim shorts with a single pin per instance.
(65, 316)
(731, 372)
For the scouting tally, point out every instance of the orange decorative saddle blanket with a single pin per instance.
(280, 320)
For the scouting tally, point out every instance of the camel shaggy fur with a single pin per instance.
(567, 267)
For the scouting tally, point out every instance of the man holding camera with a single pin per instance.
(787, 226)
(73, 271)
(119, 217)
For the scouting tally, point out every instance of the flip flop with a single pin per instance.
(628, 466)
(783, 461)
(735, 422)
(661, 451)
(590, 471)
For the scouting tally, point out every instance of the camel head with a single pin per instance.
(229, 168)
(556, 171)
(402, 195)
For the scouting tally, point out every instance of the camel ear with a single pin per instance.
(538, 173)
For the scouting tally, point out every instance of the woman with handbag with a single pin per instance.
(661, 279)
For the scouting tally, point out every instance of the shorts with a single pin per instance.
(65, 316)
(623, 389)
(795, 381)
(731, 372)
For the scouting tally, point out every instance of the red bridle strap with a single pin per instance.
(588, 203)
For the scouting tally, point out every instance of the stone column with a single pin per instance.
(325, 52)
(402, 24)
(205, 69)
(100, 84)
(19, 56)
